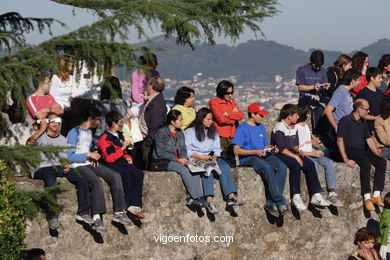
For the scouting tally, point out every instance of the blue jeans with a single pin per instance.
(191, 181)
(329, 170)
(312, 182)
(273, 172)
(226, 180)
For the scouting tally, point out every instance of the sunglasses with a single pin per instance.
(229, 93)
(54, 120)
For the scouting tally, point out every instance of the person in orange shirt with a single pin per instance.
(225, 113)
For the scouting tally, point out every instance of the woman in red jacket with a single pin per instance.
(225, 113)
(113, 149)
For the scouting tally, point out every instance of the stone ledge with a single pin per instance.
(254, 233)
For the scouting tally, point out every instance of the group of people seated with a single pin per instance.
(117, 139)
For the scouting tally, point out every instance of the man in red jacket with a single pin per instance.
(225, 113)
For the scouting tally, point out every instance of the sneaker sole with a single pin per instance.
(83, 220)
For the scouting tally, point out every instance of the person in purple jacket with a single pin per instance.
(141, 76)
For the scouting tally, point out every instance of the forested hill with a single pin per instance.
(252, 60)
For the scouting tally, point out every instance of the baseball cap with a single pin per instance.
(257, 108)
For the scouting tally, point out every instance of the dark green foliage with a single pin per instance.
(22, 158)
(104, 42)
(18, 205)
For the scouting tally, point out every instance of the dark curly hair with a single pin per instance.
(182, 94)
(384, 61)
(385, 108)
(223, 87)
(358, 60)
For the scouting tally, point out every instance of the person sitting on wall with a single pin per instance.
(250, 142)
(51, 168)
(40, 103)
(113, 148)
(352, 136)
(226, 115)
(184, 99)
(285, 137)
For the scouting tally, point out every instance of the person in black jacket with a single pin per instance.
(152, 117)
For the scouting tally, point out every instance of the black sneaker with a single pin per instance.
(273, 210)
(283, 210)
(234, 202)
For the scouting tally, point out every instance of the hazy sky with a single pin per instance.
(342, 25)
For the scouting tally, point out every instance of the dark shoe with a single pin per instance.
(194, 203)
(203, 203)
(234, 202)
(283, 209)
(273, 210)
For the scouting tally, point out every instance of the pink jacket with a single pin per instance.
(139, 81)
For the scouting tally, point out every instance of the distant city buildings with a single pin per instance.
(271, 95)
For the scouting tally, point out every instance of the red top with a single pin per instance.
(363, 83)
(387, 93)
(35, 103)
(225, 124)
(110, 147)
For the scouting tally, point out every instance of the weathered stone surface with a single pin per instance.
(316, 234)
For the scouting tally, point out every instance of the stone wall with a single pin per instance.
(314, 234)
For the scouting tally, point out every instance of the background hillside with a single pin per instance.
(255, 60)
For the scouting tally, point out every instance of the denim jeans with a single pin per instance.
(273, 173)
(329, 170)
(191, 181)
(49, 176)
(226, 180)
(312, 182)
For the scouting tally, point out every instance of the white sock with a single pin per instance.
(376, 194)
(296, 196)
(96, 217)
(367, 196)
(332, 193)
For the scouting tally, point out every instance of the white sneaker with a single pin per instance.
(298, 203)
(318, 200)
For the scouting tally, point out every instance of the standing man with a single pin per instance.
(311, 79)
(249, 144)
(372, 94)
(352, 135)
(152, 117)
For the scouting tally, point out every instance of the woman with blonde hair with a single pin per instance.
(61, 83)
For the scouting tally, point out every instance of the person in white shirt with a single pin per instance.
(311, 147)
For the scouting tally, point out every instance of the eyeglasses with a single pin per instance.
(229, 93)
(367, 109)
(54, 120)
